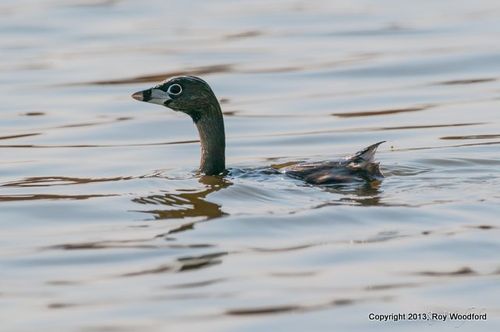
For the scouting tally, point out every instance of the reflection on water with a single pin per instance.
(107, 227)
(383, 112)
(471, 137)
(59, 181)
(465, 271)
(10, 198)
(187, 204)
(200, 71)
(182, 264)
(367, 194)
(468, 81)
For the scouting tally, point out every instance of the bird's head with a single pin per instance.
(188, 94)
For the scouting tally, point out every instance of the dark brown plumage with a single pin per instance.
(360, 166)
(193, 96)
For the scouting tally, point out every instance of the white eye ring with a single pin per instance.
(177, 90)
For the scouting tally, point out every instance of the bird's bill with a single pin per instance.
(154, 96)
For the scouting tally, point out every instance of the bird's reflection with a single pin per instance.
(368, 194)
(187, 204)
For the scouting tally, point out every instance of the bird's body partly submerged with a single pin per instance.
(359, 167)
(193, 96)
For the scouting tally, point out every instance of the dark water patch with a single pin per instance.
(197, 284)
(183, 206)
(383, 287)
(342, 302)
(19, 136)
(491, 136)
(198, 262)
(156, 270)
(205, 70)
(182, 228)
(465, 271)
(263, 310)
(483, 227)
(61, 305)
(198, 295)
(230, 113)
(433, 126)
(382, 112)
(286, 249)
(357, 193)
(467, 81)
(98, 245)
(187, 204)
(33, 114)
(181, 265)
(77, 125)
(129, 243)
(282, 309)
(51, 181)
(35, 146)
(35, 197)
(245, 34)
(381, 237)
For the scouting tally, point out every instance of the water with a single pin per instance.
(107, 227)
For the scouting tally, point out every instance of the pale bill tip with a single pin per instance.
(138, 96)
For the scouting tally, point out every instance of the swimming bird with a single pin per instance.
(194, 97)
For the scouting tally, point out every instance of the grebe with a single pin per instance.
(193, 96)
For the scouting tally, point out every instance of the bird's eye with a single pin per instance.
(174, 89)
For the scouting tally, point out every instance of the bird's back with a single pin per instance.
(359, 167)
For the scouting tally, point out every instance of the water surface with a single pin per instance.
(107, 227)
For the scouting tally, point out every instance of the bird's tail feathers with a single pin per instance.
(365, 157)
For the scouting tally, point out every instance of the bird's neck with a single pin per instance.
(210, 126)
